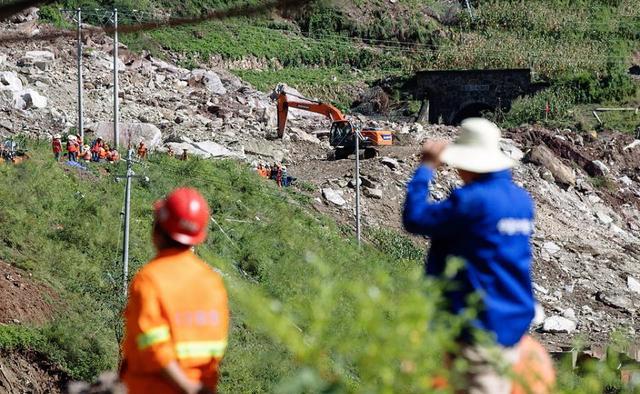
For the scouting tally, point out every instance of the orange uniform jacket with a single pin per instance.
(177, 310)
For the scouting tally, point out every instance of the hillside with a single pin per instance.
(311, 313)
(336, 49)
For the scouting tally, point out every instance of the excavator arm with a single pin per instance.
(284, 103)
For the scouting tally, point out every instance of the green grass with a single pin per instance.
(310, 312)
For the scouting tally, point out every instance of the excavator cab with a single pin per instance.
(341, 134)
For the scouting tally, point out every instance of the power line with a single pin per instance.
(246, 10)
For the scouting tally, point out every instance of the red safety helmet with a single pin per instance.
(183, 216)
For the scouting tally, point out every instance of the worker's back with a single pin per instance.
(177, 310)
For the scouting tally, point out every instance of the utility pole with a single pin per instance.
(127, 217)
(127, 214)
(80, 120)
(116, 129)
(357, 183)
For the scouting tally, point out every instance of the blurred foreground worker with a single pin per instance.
(487, 223)
(177, 315)
(56, 146)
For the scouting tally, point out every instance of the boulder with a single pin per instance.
(551, 247)
(210, 80)
(9, 81)
(616, 300)
(633, 284)
(558, 324)
(603, 217)
(601, 166)
(373, 193)
(263, 149)
(509, 148)
(543, 156)
(298, 135)
(38, 59)
(215, 150)
(333, 196)
(30, 14)
(28, 98)
(389, 162)
(130, 132)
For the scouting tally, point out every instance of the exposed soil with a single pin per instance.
(23, 300)
(22, 373)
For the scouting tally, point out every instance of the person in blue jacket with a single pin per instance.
(488, 224)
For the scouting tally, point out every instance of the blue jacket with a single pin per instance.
(488, 223)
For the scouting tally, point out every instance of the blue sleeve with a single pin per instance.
(422, 217)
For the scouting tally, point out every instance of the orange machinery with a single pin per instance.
(342, 133)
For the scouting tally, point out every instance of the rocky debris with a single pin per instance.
(333, 196)
(543, 156)
(389, 162)
(129, 133)
(204, 149)
(633, 284)
(298, 135)
(551, 247)
(558, 324)
(9, 81)
(634, 144)
(210, 80)
(28, 98)
(107, 383)
(28, 15)
(601, 166)
(616, 300)
(39, 59)
(372, 193)
(603, 217)
(510, 149)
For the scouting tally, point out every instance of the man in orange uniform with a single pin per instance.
(177, 316)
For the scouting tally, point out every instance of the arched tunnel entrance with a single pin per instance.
(471, 110)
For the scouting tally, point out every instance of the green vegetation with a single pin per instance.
(582, 49)
(311, 313)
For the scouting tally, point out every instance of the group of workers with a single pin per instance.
(98, 151)
(76, 150)
(276, 172)
(177, 315)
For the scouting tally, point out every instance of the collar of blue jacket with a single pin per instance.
(488, 223)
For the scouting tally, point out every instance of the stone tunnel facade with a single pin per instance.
(451, 96)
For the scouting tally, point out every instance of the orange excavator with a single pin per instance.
(342, 136)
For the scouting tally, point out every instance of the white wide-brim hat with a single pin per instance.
(57, 136)
(477, 149)
(72, 138)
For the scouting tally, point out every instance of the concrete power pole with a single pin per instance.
(80, 120)
(357, 183)
(127, 215)
(116, 128)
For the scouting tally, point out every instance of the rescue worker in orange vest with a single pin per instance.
(177, 315)
(142, 150)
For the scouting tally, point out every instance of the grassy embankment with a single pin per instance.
(310, 312)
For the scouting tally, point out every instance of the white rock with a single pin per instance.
(129, 133)
(570, 314)
(540, 289)
(539, 316)
(215, 150)
(632, 145)
(603, 217)
(551, 247)
(209, 79)
(10, 81)
(373, 193)
(333, 196)
(28, 98)
(510, 149)
(626, 181)
(558, 324)
(633, 284)
(389, 162)
(603, 167)
(39, 59)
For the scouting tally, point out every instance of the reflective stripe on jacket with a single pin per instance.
(488, 223)
(177, 310)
